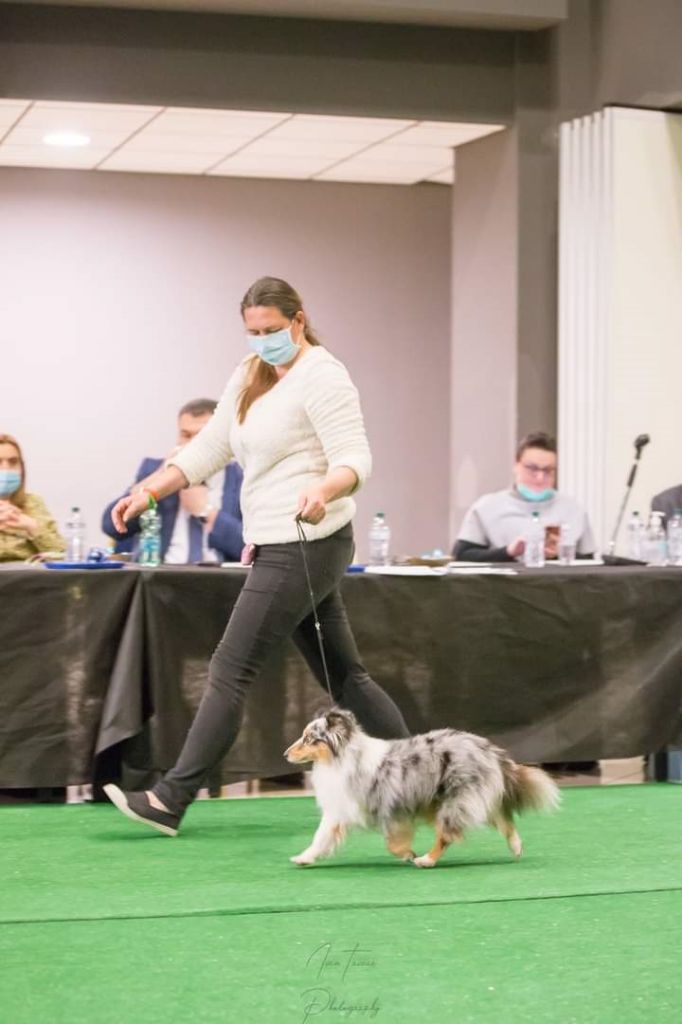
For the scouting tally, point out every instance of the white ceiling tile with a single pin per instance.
(216, 122)
(445, 177)
(87, 117)
(243, 165)
(161, 163)
(280, 173)
(436, 133)
(177, 142)
(10, 111)
(83, 158)
(324, 149)
(241, 143)
(338, 129)
(437, 156)
(375, 172)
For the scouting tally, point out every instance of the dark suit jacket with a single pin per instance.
(668, 502)
(226, 535)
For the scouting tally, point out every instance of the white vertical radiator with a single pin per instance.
(620, 308)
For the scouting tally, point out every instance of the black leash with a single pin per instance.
(302, 542)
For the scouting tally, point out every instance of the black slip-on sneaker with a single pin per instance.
(137, 807)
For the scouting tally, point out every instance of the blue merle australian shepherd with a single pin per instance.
(454, 780)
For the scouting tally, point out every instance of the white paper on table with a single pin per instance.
(479, 570)
(405, 570)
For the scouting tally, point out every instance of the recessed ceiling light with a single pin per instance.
(66, 139)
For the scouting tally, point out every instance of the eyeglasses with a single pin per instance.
(534, 470)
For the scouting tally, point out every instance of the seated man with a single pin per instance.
(668, 502)
(495, 527)
(200, 524)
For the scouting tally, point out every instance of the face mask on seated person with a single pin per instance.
(10, 481)
(530, 495)
(277, 348)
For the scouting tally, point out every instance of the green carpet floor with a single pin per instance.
(101, 921)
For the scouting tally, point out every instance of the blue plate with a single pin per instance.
(355, 568)
(83, 565)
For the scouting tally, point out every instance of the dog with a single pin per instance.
(454, 780)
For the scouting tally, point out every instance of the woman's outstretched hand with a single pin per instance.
(127, 508)
(311, 506)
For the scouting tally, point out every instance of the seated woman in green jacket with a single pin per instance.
(26, 526)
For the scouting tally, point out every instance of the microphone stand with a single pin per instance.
(612, 558)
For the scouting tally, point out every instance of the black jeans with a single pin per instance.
(275, 604)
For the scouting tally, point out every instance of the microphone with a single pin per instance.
(641, 441)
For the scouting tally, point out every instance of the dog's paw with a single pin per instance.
(424, 862)
(303, 859)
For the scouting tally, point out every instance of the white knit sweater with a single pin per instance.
(310, 422)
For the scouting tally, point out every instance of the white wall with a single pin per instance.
(645, 340)
(484, 321)
(119, 302)
(620, 335)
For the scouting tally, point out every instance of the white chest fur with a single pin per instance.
(341, 785)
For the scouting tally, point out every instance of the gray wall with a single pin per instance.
(256, 63)
(120, 302)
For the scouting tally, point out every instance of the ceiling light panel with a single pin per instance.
(339, 129)
(87, 117)
(22, 136)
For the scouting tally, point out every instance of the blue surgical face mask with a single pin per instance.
(10, 481)
(277, 348)
(531, 495)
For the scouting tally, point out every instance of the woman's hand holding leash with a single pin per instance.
(337, 483)
(311, 506)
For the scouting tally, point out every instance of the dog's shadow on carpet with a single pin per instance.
(375, 865)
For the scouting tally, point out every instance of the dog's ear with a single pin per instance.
(342, 721)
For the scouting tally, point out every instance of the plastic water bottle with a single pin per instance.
(675, 538)
(379, 540)
(534, 553)
(636, 537)
(566, 545)
(150, 538)
(655, 540)
(75, 536)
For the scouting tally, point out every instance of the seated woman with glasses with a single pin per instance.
(495, 527)
(26, 526)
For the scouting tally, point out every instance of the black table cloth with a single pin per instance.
(107, 667)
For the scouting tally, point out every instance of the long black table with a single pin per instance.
(101, 671)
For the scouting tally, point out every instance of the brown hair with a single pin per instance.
(261, 376)
(199, 407)
(19, 496)
(538, 439)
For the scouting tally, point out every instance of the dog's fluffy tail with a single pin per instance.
(528, 789)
